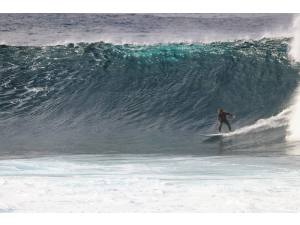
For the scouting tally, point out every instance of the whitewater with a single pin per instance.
(105, 112)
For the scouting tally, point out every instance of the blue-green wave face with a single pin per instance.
(162, 86)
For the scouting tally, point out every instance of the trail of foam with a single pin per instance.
(293, 128)
(278, 120)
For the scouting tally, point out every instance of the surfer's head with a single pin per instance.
(220, 110)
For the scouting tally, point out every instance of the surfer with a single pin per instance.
(222, 119)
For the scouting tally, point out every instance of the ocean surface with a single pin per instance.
(111, 112)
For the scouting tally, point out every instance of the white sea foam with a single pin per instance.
(35, 89)
(149, 184)
(278, 120)
(294, 120)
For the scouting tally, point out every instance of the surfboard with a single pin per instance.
(216, 134)
(212, 135)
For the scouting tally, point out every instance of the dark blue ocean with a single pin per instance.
(112, 112)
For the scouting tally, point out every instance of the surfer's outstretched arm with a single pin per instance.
(229, 114)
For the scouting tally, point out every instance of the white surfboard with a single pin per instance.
(213, 135)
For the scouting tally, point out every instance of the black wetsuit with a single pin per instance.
(222, 118)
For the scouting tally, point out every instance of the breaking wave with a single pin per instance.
(97, 86)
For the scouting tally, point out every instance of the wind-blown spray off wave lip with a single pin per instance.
(80, 87)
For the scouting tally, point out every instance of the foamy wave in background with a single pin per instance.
(54, 29)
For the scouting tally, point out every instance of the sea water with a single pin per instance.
(104, 113)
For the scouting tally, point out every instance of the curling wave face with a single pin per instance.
(90, 88)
